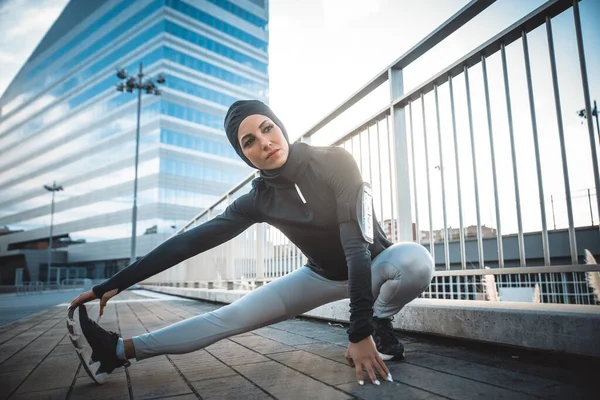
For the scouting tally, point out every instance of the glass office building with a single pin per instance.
(62, 120)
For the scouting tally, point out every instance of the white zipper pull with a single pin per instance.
(300, 194)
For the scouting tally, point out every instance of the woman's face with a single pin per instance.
(262, 142)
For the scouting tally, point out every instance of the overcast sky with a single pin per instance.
(322, 51)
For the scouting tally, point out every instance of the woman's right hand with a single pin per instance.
(83, 298)
(89, 296)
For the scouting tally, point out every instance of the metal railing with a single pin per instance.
(422, 152)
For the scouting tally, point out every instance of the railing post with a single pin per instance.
(260, 252)
(400, 164)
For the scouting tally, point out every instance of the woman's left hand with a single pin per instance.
(364, 354)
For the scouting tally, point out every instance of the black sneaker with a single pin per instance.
(95, 346)
(388, 346)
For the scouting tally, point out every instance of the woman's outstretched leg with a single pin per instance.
(277, 301)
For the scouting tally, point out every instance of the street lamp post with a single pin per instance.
(129, 85)
(54, 188)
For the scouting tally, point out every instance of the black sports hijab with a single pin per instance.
(237, 112)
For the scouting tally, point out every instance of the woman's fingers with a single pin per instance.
(103, 303)
(359, 374)
(384, 372)
(75, 302)
(104, 300)
(384, 369)
(82, 298)
(349, 359)
(371, 373)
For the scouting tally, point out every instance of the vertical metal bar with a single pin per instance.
(539, 282)
(444, 287)
(563, 151)
(400, 149)
(564, 288)
(431, 241)
(553, 218)
(381, 217)
(393, 225)
(499, 238)
(283, 251)
(412, 147)
(360, 153)
(554, 288)
(586, 98)
(538, 163)
(590, 204)
(439, 131)
(369, 155)
(286, 256)
(229, 271)
(271, 252)
(267, 254)
(289, 251)
(277, 251)
(514, 158)
(278, 254)
(458, 188)
(282, 254)
(260, 252)
(292, 257)
(577, 289)
(475, 180)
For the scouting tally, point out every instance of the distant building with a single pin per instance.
(62, 120)
(438, 235)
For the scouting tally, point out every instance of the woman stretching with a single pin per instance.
(317, 198)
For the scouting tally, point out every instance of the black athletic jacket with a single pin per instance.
(321, 222)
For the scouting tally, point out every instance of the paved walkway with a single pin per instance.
(295, 359)
(16, 306)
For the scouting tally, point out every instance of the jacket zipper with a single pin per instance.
(303, 200)
(300, 194)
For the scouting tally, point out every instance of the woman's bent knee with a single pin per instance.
(411, 261)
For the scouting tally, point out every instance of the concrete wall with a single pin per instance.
(560, 254)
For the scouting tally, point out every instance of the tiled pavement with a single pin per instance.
(295, 359)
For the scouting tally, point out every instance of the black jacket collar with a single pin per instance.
(286, 176)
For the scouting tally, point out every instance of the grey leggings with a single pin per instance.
(398, 275)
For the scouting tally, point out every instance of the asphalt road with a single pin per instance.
(13, 307)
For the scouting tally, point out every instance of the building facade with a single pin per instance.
(63, 121)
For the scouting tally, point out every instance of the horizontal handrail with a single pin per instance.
(522, 270)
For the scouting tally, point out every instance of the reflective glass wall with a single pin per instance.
(62, 120)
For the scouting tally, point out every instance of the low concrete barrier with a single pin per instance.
(564, 328)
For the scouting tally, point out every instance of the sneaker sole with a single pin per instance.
(83, 349)
(390, 357)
